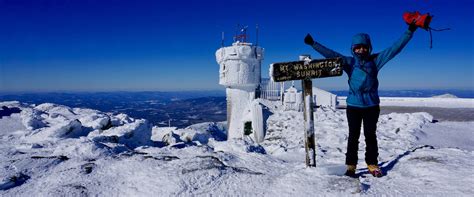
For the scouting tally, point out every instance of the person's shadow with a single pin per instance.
(5, 111)
(386, 166)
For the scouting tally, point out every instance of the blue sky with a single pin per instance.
(90, 45)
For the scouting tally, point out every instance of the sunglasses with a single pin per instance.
(359, 46)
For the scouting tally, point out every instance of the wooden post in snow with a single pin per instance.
(309, 142)
(305, 70)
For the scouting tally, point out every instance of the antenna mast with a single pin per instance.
(256, 41)
(241, 34)
(222, 40)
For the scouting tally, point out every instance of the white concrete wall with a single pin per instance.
(324, 98)
(238, 102)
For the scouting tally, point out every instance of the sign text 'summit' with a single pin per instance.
(297, 70)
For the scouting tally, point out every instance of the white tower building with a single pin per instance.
(240, 68)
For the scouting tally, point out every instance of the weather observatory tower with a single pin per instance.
(239, 72)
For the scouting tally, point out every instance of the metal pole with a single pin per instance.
(256, 42)
(282, 91)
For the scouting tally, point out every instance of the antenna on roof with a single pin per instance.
(241, 34)
(222, 40)
(236, 32)
(256, 41)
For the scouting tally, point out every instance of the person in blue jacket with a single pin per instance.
(363, 100)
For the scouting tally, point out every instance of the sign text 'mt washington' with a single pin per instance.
(298, 70)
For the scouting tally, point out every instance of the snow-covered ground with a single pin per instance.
(444, 101)
(54, 150)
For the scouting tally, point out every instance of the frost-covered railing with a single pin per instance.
(271, 90)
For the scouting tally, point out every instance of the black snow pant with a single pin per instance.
(355, 116)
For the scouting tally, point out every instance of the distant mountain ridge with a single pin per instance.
(416, 93)
(178, 109)
(445, 96)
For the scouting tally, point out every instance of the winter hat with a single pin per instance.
(361, 39)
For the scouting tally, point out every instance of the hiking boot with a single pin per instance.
(375, 170)
(351, 171)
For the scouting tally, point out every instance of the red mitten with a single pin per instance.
(420, 20)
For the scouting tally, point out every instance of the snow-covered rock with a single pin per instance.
(137, 133)
(198, 133)
(32, 118)
(67, 128)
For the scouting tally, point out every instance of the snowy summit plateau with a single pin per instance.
(54, 150)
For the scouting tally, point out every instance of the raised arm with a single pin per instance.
(324, 51)
(328, 53)
(389, 53)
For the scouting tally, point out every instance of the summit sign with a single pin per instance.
(299, 70)
(305, 70)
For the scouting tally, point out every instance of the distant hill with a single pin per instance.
(416, 93)
(445, 96)
(180, 108)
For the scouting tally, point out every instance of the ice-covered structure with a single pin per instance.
(240, 73)
(324, 98)
(240, 68)
(293, 100)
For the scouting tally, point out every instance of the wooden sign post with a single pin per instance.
(305, 70)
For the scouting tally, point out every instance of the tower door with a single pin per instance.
(248, 128)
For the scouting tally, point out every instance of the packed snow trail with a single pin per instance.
(53, 150)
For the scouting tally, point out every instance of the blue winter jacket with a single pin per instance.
(362, 72)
